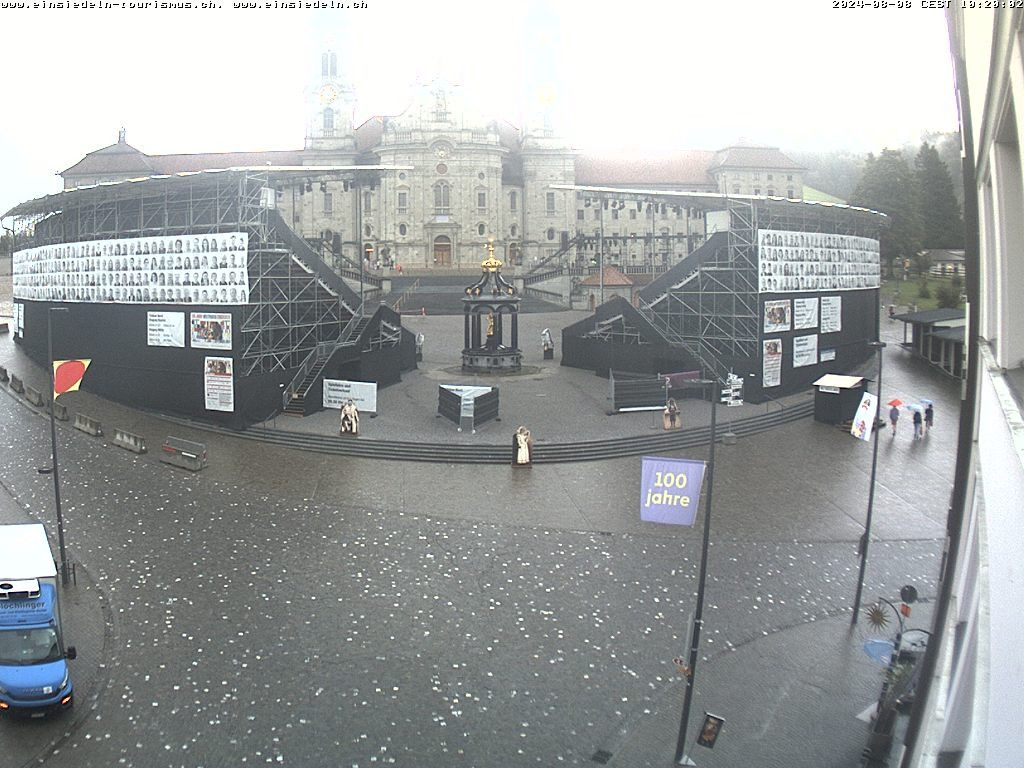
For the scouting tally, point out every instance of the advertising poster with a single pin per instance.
(777, 316)
(205, 269)
(670, 490)
(805, 313)
(831, 314)
(790, 261)
(220, 384)
(805, 350)
(864, 419)
(827, 355)
(771, 363)
(165, 329)
(363, 393)
(211, 330)
(19, 319)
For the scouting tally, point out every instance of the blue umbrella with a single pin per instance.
(915, 407)
(880, 650)
(926, 401)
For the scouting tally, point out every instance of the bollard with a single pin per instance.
(16, 385)
(33, 396)
(129, 441)
(88, 425)
(183, 453)
(4, 376)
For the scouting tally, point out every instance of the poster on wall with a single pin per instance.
(805, 313)
(777, 316)
(204, 269)
(826, 355)
(165, 329)
(791, 261)
(19, 319)
(771, 365)
(831, 314)
(210, 330)
(220, 384)
(805, 350)
(363, 393)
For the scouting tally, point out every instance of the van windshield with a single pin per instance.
(29, 646)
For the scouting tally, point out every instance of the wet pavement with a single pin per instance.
(298, 609)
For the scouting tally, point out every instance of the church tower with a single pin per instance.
(330, 110)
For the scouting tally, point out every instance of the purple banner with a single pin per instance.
(670, 490)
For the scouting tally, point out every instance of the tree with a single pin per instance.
(888, 185)
(942, 224)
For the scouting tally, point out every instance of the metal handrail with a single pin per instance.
(303, 371)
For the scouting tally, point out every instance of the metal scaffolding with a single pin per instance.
(293, 307)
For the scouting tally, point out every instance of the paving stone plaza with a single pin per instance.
(302, 608)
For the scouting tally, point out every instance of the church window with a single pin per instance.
(512, 201)
(513, 230)
(328, 202)
(551, 234)
(481, 201)
(403, 202)
(790, 195)
(367, 201)
(480, 229)
(579, 214)
(328, 121)
(403, 230)
(632, 213)
(550, 203)
(615, 213)
(442, 199)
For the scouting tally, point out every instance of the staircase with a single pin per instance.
(297, 404)
(557, 254)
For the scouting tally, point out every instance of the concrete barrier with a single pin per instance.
(60, 411)
(16, 385)
(4, 328)
(34, 396)
(88, 425)
(4, 376)
(183, 453)
(128, 441)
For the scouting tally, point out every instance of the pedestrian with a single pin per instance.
(917, 424)
(929, 418)
(894, 416)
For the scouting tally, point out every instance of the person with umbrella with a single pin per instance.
(894, 414)
(929, 416)
(918, 421)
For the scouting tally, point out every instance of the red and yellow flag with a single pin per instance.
(67, 375)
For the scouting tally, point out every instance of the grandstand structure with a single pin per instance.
(720, 311)
(288, 321)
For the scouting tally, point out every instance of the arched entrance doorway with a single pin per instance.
(442, 251)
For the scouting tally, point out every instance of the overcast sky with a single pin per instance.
(643, 78)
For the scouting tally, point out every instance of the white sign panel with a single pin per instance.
(204, 269)
(831, 314)
(805, 350)
(19, 319)
(790, 261)
(777, 316)
(826, 355)
(210, 330)
(220, 384)
(805, 313)
(165, 329)
(363, 393)
(771, 365)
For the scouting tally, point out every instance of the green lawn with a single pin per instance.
(906, 293)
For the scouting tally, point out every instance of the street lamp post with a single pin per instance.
(53, 446)
(698, 614)
(878, 345)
